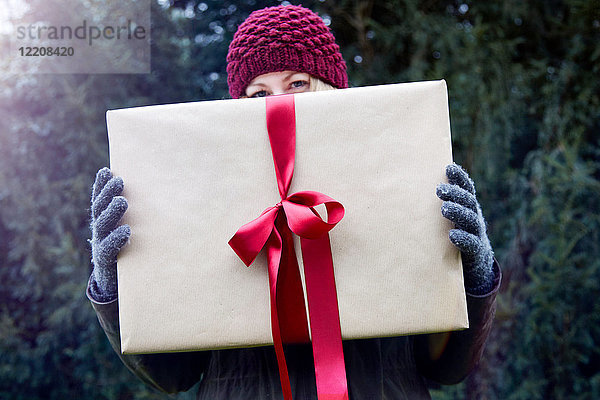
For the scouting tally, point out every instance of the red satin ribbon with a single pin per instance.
(273, 230)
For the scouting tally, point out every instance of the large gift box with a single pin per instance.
(195, 172)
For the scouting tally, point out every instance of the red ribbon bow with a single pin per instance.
(273, 230)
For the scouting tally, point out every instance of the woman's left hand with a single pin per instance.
(462, 208)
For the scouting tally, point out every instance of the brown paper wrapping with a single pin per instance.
(195, 172)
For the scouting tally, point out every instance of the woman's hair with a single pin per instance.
(317, 85)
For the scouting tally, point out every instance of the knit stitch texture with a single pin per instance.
(462, 208)
(108, 207)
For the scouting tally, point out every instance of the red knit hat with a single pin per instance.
(283, 38)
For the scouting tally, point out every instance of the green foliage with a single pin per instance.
(525, 108)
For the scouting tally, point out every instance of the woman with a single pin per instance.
(288, 49)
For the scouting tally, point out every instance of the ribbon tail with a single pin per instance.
(274, 248)
(330, 370)
(291, 308)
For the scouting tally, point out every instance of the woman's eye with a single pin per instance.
(260, 93)
(299, 84)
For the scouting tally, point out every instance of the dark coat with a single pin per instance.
(377, 369)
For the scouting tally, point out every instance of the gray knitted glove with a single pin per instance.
(107, 239)
(461, 207)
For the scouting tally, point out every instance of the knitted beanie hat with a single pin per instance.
(283, 38)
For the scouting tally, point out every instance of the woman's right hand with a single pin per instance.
(108, 206)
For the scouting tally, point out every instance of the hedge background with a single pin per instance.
(525, 113)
